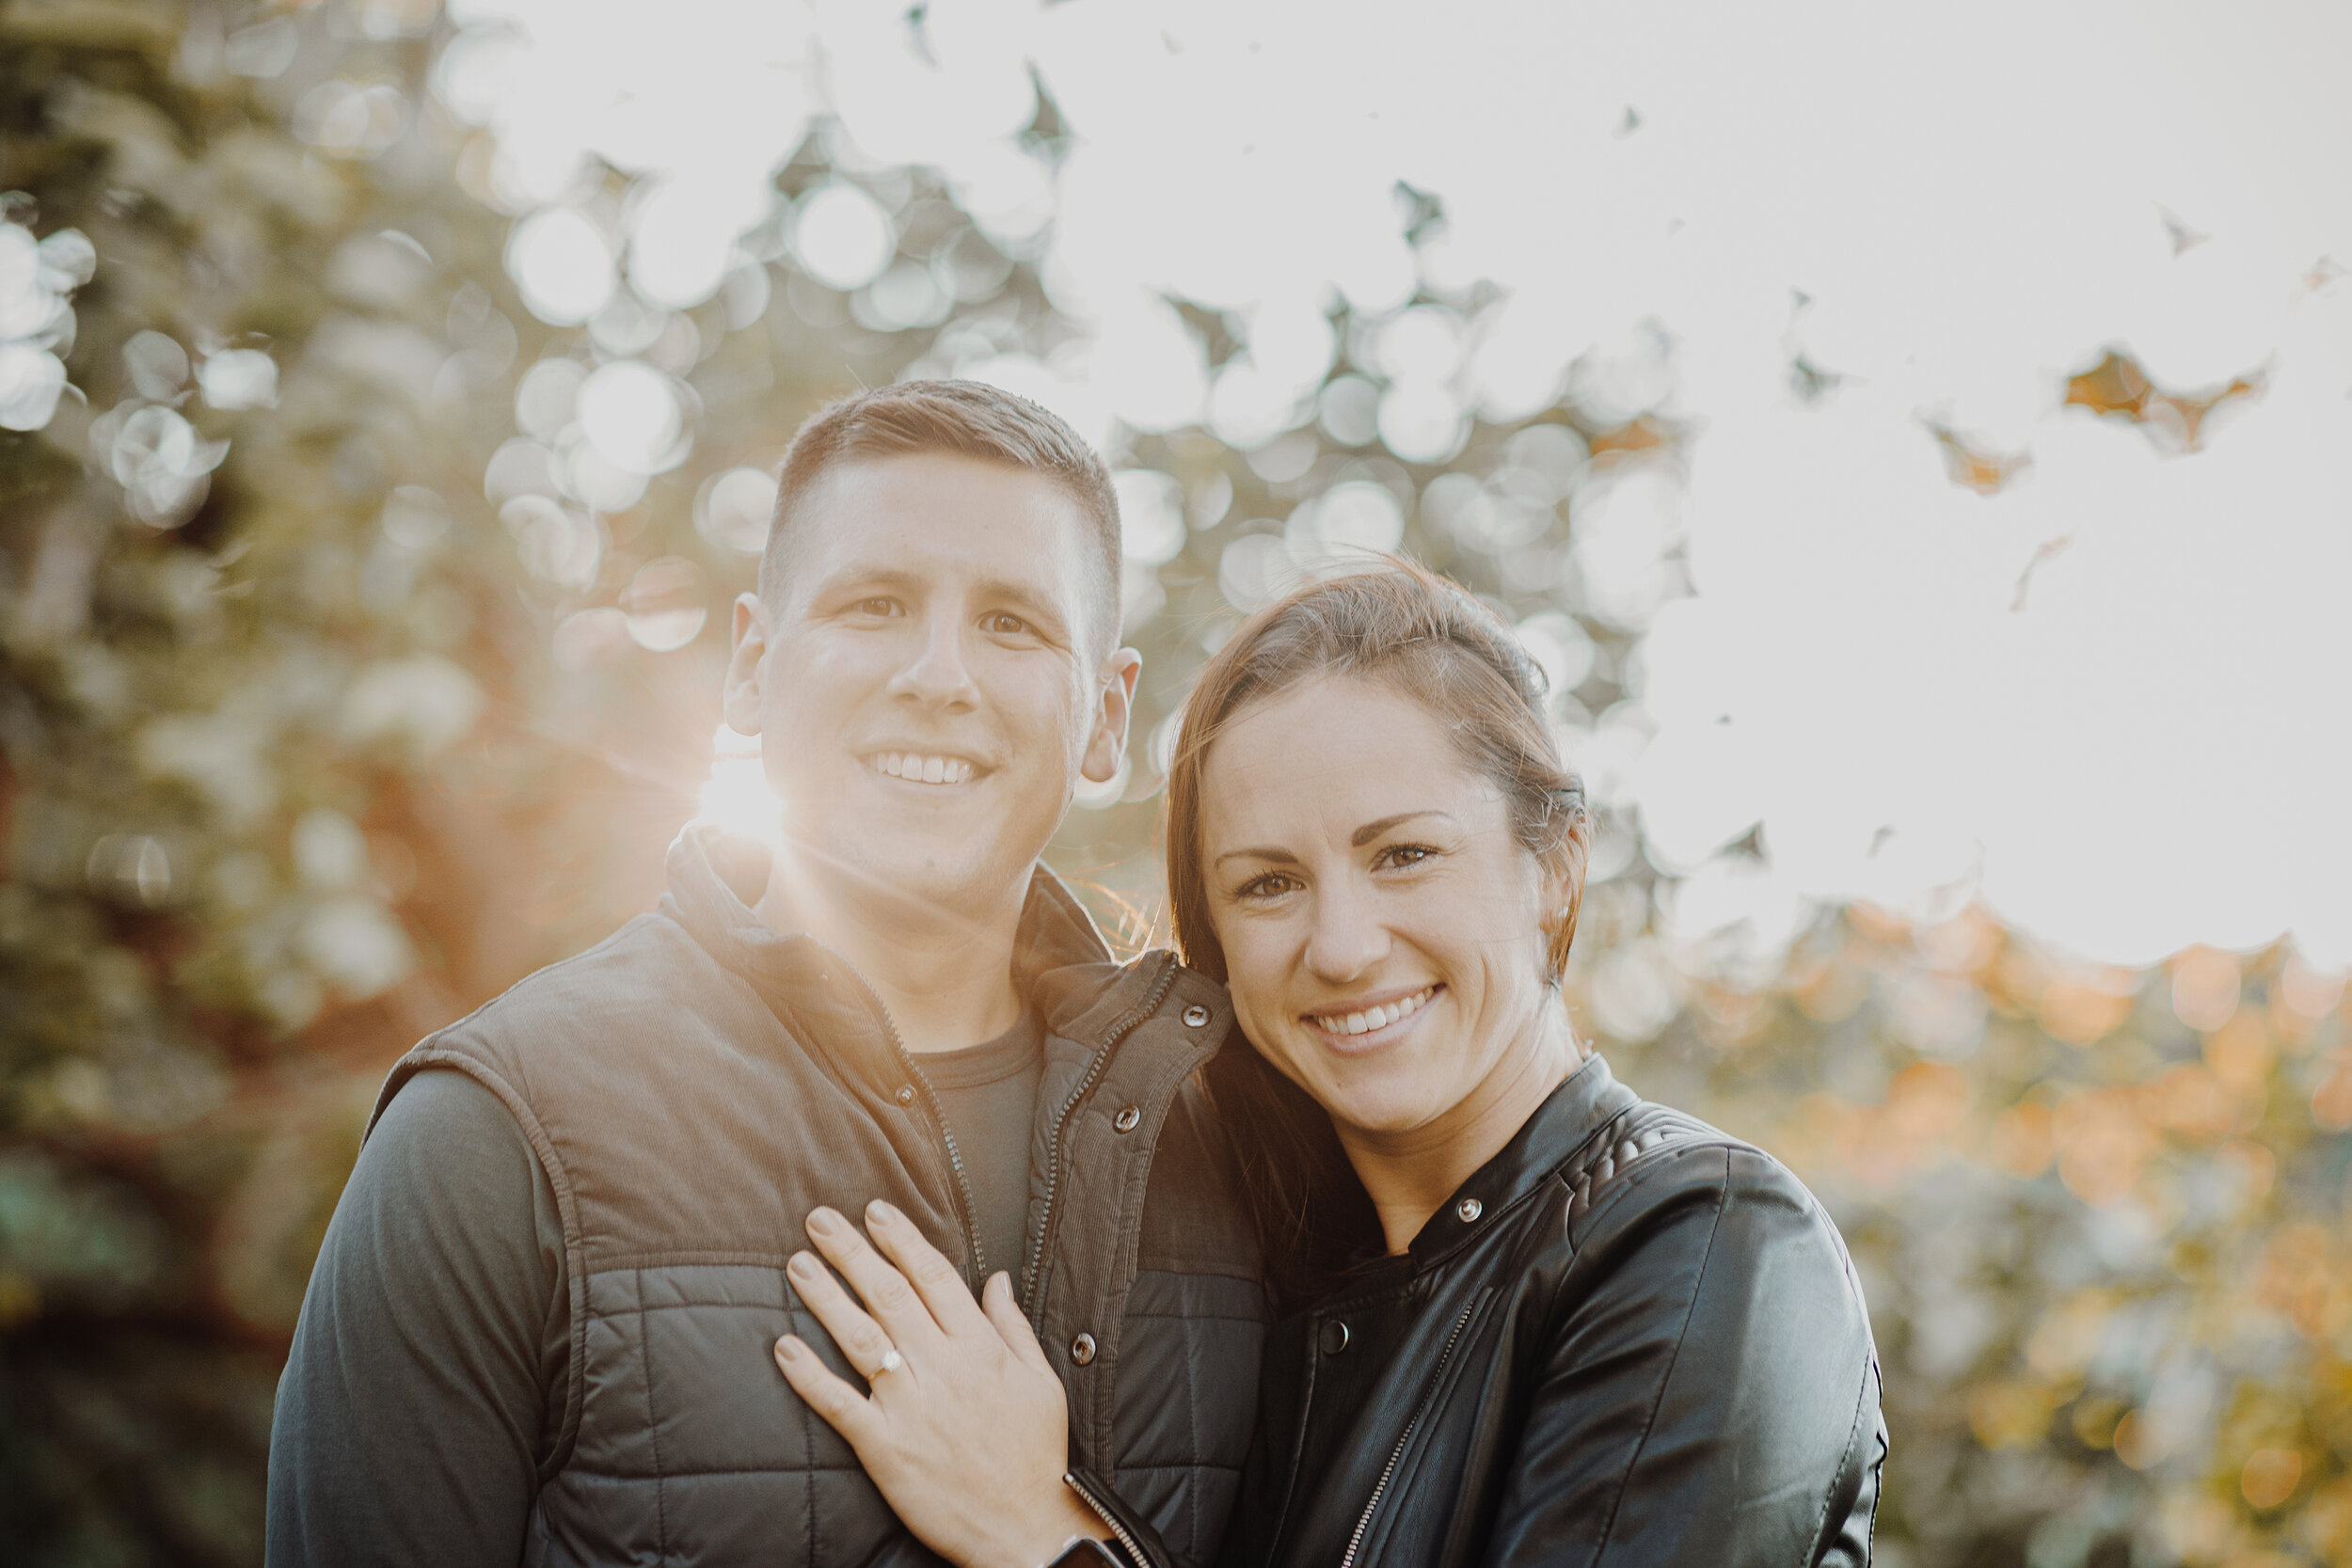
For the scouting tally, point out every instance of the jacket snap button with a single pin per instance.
(1126, 1119)
(1082, 1349)
(1470, 1209)
(1195, 1016)
(906, 1094)
(1334, 1337)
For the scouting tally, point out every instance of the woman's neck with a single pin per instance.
(1409, 1175)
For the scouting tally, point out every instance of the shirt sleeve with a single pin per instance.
(414, 1407)
(1714, 1397)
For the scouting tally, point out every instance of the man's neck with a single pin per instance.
(944, 977)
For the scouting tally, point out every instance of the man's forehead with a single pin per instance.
(943, 512)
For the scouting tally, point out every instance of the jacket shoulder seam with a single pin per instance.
(1649, 1422)
(1593, 1174)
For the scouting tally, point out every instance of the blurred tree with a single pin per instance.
(348, 675)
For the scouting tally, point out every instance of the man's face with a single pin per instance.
(927, 689)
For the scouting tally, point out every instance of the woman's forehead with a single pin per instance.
(1328, 756)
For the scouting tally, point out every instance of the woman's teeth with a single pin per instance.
(922, 770)
(1373, 1018)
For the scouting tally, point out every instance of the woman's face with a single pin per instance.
(1384, 932)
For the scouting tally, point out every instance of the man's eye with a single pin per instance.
(1004, 624)
(877, 607)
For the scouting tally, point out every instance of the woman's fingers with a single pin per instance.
(1012, 1323)
(885, 1292)
(848, 1412)
(866, 1342)
(938, 1282)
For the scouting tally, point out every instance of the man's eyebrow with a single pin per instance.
(1024, 598)
(867, 573)
(1370, 830)
(1006, 590)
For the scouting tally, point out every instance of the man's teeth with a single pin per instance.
(1373, 1018)
(923, 769)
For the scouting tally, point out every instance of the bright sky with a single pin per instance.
(2112, 698)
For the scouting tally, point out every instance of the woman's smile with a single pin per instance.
(1364, 1024)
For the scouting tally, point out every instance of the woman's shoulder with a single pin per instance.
(1654, 1165)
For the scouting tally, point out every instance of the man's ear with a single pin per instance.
(743, 665)
(1107, 746)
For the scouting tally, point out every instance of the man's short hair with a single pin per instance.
(969, 418)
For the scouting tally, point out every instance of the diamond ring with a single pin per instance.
(891, 1362)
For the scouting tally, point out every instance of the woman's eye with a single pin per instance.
(1273, 884)
(1405, 854)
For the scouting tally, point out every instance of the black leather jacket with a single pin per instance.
(1628, 1339)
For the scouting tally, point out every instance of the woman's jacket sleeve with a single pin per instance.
(1714, 1399)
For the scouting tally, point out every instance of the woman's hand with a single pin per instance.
(967, 1433)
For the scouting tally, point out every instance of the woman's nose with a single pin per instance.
(1347, 939)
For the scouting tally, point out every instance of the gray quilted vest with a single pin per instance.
(697, 1083)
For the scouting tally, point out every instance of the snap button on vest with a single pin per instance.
(1334, 1337)
(1126, 1119)
(1082, 1349)
(906, 1094)
(1470, 1209)
(1195, 1016)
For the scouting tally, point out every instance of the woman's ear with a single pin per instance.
(1564, 890)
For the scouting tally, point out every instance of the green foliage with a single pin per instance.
(326, 712)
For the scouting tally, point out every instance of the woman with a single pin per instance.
(1532, 1317)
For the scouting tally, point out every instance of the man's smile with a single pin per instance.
(922, 767)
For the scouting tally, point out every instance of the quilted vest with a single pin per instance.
(696, 1084)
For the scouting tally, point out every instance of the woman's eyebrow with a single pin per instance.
(1280, 857)
(1362, 837)
(1370, 830)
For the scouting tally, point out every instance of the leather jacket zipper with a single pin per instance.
(1118, 1031)
(1428, 1393)
(966, 1205)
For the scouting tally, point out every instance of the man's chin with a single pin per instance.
(917, 879)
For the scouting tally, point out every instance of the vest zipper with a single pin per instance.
(966, 1205)
(1428, 1393)
(1085, 1495)
(1118, 1032)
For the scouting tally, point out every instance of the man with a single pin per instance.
(539, 1327)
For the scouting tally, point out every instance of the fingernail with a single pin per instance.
(824, 1222)
(790, 1349)
(883, 1213)
(803, 1266)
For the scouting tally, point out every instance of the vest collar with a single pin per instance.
(1061, 965)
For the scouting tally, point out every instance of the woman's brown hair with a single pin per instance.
(1406, 628)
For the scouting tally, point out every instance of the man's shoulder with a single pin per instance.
(649, 975)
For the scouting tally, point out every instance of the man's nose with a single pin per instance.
(1348, 939)
(938, 674)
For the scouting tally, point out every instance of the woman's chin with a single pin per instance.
(1377, 1109)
